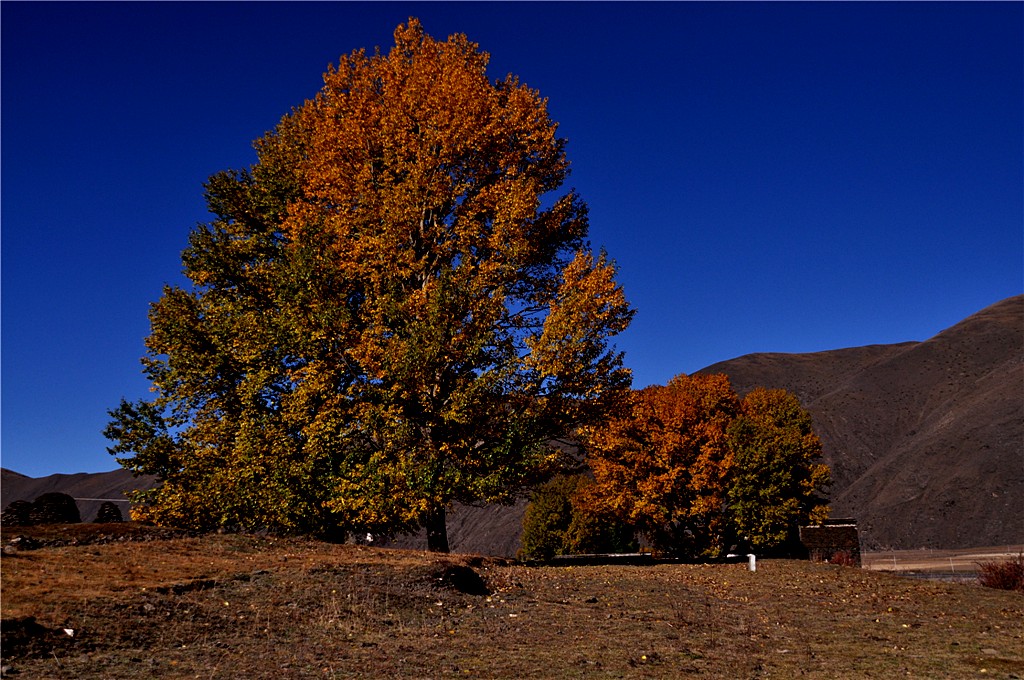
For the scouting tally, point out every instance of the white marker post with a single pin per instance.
(752, 562)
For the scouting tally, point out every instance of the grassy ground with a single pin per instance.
(242, 606)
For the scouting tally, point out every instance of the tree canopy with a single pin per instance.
(694, 468)
(392, 310)
(777, 479)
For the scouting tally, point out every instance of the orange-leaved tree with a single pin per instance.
(394, 309)
(694, 468)
(662, 468)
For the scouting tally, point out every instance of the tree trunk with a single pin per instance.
(437, 530)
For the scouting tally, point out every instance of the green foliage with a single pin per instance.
(591, 532)
(548, 517)
(776, 480)
(558, 522)
(393, 310)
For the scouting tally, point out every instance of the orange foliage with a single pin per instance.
(392, 311)
(692, 467)
(662, 467)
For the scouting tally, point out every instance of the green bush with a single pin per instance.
(558, 523)
(548, 517)
(591, 533)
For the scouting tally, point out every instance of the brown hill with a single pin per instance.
(89, 489)
(925, 439)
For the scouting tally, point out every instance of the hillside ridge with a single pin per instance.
(925, 439)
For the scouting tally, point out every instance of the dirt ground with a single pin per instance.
(109, 605)
(964, 561)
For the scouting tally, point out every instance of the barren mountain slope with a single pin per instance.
(926, 440)
(82, 485)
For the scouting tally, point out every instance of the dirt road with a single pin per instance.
(944, 561)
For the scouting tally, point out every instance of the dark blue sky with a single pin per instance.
(769, 177)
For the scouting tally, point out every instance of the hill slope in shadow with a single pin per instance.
(925, 439)
(89, 489)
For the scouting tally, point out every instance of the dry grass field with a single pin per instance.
(234, 606)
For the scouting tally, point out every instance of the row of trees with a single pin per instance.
(394, 309)
(693, 469)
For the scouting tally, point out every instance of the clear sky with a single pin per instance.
(769, 177)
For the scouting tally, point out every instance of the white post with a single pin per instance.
(752, 561)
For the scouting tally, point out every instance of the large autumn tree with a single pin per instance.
(394, 309)
(694, 468)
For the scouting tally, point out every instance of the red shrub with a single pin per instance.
(843, 558)
(1006, 575)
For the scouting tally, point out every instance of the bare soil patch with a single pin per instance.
(964, 561)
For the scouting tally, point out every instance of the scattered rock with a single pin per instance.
(17, 514)
(460, 578)
(21, 543)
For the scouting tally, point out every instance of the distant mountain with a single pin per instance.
(90, 489)
(925, 439)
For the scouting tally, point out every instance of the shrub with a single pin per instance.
(17, 514)
(559, 521)
(1005, 575)
(548, 517)
(591, 532)
(109, 513)
(843, 558)
(55, 508)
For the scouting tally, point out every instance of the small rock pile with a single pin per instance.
(17, 514)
